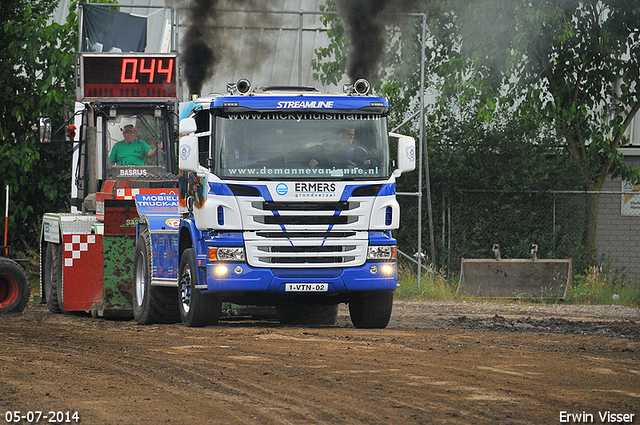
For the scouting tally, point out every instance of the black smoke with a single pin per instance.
(365, 24)
(205, 43)
(198, 55)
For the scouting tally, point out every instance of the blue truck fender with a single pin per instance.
(161, 220)
(189, 235)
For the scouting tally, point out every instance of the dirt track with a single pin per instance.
(455, 363)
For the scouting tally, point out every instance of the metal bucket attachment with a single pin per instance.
(515, 278)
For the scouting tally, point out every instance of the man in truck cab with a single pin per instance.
(131, 151)
(343, 154)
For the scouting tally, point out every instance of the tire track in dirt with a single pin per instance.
(245, 371)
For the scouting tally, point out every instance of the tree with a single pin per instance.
(498, 180)
(570, 65)
(36, 76)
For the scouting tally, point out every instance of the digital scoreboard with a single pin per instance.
(126, 76)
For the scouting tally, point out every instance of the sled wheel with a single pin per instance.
(52, 276)
(14, 287)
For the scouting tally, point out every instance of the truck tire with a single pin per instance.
(14, 287)
(52, 276)
(196, 309)
(151, 304)
(371, 311)
(309, 315)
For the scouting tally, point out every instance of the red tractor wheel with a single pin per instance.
(14, 287)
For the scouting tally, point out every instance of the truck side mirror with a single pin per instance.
(187, 126)
(188, 153)
(45, 130)
(406, 154)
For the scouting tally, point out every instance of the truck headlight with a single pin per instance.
(386, 269)
(226, 253)
(381, 252)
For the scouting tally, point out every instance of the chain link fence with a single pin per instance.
(470, 223)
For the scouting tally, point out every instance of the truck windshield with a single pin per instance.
(301, 145)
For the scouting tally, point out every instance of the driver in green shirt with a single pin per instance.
(131, 151)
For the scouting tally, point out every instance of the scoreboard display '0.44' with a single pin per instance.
(124, 76)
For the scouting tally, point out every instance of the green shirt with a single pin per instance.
(133, 154)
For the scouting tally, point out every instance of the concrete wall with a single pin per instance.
(618, 237)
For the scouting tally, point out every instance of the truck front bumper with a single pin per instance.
(235, 278)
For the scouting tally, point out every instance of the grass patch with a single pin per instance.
(598, 286)
(433, 287)
(602, 286)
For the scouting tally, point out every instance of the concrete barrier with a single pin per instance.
(515, 278)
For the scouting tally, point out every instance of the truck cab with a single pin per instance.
(100, 167)
(288, 199)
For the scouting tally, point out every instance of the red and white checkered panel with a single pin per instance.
(127, 193)
(82, 272)
(131, 193)
(78, 245)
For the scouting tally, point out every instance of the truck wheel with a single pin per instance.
(52, 276)
(310, 315)
(151, 304)
(196, 309)
(371, 311)
(14, 287)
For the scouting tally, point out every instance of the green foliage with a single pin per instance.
(602, 285)
(433, 287)
(331, 60)
(528, 96)
(36, 80)
(571, 64)
(398, 79)
(494, 181)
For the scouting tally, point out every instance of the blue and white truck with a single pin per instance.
(286, 199)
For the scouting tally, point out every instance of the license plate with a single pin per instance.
(306, 287)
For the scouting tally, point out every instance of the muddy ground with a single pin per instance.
(454, 363)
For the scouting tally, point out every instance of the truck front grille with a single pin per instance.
(298, 235)
(313, 249)
(306, 233)
(309, 206)
(306, 220)
(306, 213)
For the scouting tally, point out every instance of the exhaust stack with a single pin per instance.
(360, 88)
(243, 86)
